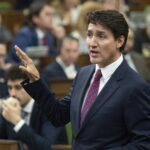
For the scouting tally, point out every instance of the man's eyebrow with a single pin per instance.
(97, 32)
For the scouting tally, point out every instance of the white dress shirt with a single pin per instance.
(106, 75)
(70, 70)
(27, 108)
(40, 35)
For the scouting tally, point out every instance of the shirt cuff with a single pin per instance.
(19, 125)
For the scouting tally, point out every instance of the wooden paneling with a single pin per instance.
(61, 147)
(13, 20)
(8, 145)
(60, 87)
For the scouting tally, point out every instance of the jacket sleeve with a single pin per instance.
(58, 111)
(137, 119)
(39, 141)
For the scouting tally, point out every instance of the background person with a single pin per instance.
(64, 66)
(25, 122)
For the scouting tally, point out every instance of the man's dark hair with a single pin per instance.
(113, 20)
(14, 73)
(34, 10)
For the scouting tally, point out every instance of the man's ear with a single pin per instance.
(120, 41)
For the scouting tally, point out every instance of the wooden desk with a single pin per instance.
(61, 147)
(60, 87)
(8, 145)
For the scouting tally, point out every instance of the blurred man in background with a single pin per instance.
(22, 120)
(64, 66)
(4, 66)
(37, 32)
(135, 60)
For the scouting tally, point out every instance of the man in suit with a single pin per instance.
(135, 60)
(4, 66)
(64, 66)
(33, 129)
(108, 104)
(37, 31)
(142, 37)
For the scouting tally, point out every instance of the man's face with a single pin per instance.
(2, 54)
(45, 18)
(69, 51)
(15, 90)
(103, 47)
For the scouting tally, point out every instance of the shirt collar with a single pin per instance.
(28, 107)
(40, 33)
(110, 69)
(61, 63)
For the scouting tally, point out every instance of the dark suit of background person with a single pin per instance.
(119, 116)
(142, 37)
(4, 66)
(139, 65)
(29, 35)
(3, 86)
(53, 71)
(134, 59)
(40, 134)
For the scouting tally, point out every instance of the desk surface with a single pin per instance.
(8, 145)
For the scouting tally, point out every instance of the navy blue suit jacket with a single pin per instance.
(39, 135)
(119, 119)
(28, 37)
(53, 71)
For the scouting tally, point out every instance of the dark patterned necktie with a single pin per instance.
(91, 96)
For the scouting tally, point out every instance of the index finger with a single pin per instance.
(22, 55)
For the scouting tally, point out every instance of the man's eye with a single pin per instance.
(102, 36)
(89, 34)
(18, 87)
(9, 87)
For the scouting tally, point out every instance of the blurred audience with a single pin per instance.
(22, 120)
(5, 34)
(114, 5)
(135, 60)
(64, 66)
(59, 32)
(67, 12)
(142, 37)
(81, 24)
(4, 66)
(37, 32)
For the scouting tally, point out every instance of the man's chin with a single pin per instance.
(94, 61)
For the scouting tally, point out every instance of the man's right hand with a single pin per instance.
(11, 110)
(28, 66)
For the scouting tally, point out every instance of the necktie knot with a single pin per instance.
(24, 114)
(98, 75)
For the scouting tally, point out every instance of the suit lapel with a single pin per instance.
(82, 87)
(33, 114)
(110, 88)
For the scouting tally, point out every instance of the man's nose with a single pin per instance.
(12, 93)
(93, 42)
